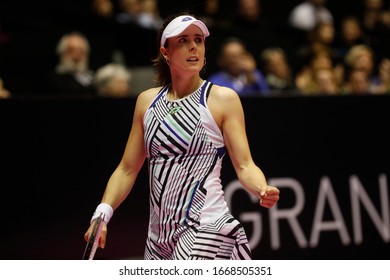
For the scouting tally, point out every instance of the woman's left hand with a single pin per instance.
(270, 197)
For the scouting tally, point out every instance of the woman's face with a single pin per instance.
(186, 52)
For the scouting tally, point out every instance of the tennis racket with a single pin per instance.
(93, 240)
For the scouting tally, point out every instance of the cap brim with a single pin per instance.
(181, 27)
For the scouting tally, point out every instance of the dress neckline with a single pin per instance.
(183, 98)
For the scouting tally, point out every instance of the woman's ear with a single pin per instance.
(163, 52)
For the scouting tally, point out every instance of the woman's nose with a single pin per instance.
(193, 45)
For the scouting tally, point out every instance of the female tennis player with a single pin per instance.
(184, 128)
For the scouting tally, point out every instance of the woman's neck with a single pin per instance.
(181, 87)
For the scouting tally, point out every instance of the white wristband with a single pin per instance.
(104, 208)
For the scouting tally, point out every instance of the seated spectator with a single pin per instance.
(277, 70)
(375, 20)
(357, 83)
(363, 75)
(137, 19)
(113, 80)
(350, 34)
(72, 75)
(384, 77)
(307, 14)
(129, 11)
(143, 13)
(4, 93)
(100, 28)
(325, 82)
(320, 39)
(212, 14)
(310, 79)
(149, 16)
(252, 25)
(103, 8)
(362, 57)
(238, 70)
(375, 15)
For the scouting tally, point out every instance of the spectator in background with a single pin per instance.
(149, 16)
(375, 20)
(306, 15)
(310, 80)
(238, 70)
(350, 34)
(213, 16)
(143, 13)
(301, 22)
(319, 40)
(141, 20)
(361, 57)
(129, 11)
(384, 77)
(251, 25)
(277, 70)
(325, 82)
(100, 28)
(375, 15)
(113, 80)
(103, 8)
(72, 75)
(217, 17)
(4, 93)
(357, 83)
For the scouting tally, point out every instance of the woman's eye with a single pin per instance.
(184, 40)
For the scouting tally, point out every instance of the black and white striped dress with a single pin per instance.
(189, 217)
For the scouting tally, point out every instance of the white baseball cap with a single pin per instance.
(179, 24)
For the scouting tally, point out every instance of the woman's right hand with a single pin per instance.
(103, 235)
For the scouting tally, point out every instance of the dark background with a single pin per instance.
(56, 156)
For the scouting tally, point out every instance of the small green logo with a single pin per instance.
(174, 109)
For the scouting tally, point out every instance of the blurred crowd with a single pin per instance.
(105, 48)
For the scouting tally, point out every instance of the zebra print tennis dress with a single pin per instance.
(189, 217)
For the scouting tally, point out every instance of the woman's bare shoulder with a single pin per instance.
(222, 102)
(223, 94)
(146, 97)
